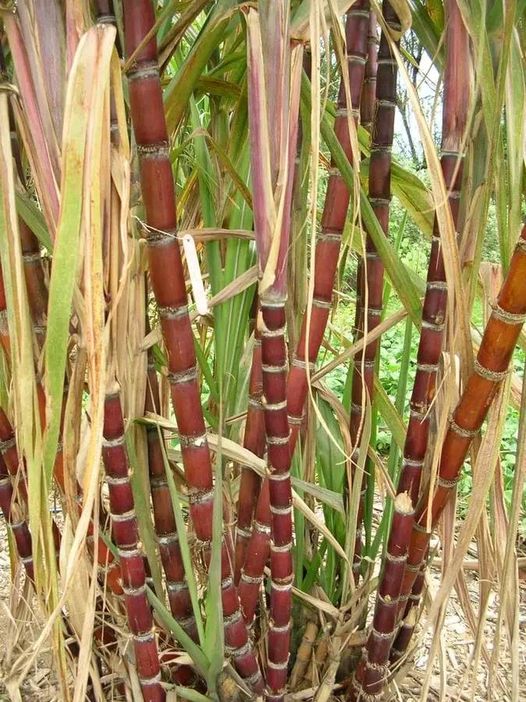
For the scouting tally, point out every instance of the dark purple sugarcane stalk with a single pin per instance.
(125, 533)
(16, 523)
(371, 271)
(457, 83)
(372, 671)
(168, 284)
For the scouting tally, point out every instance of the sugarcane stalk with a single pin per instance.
(274, 73)
(326, 258)
(254, 441)
(168, 284)
(37, 293)
(368, 99)
(274, 364)
(109, 568)
(490, 369)
(257, 555)
(9, 453)
(332, 223)
(17, 469)
(125, 533)
(372, 671)
(104, 11)
(164, 519)
(408, 610)
(456, 103)
(16, 523)
(372, 271)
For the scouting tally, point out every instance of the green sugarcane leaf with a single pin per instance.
(389, 413)
(177, 94)
(428, 21)
(33, 217)
(330, 498)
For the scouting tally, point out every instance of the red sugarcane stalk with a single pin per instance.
(17, 468)
(491, 367)
(254, 440)
(18, 525)
(368, 100)
(274, 364)
(105, 558)
(326, 261)
(168, 284)
(104, 11)
(126, 536)
(271, 73)
(257, 555)
(372, 671)
(37, 293)
(332, 223)
(164, 519)
(9, 453)
(8, 449)
(372, 274)
(408, 609)
(367, 105)
(456, 92)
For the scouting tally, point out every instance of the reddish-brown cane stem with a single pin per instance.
(254, 440)
(456, 92)
(279, 450)
(367, 105)
(12, 515)
(368, 99)
(104, 11)
(332, 224)
(37, 294)
(126, 536)
(274, 365)
(17, 468)
(372, 277)
(257, 555)
(10, 456)
(105, 558)
(326, 260)
(491, 367)
(372, 671)
(168, 284)
(164, 520)
(283, 105)
(407, 608)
